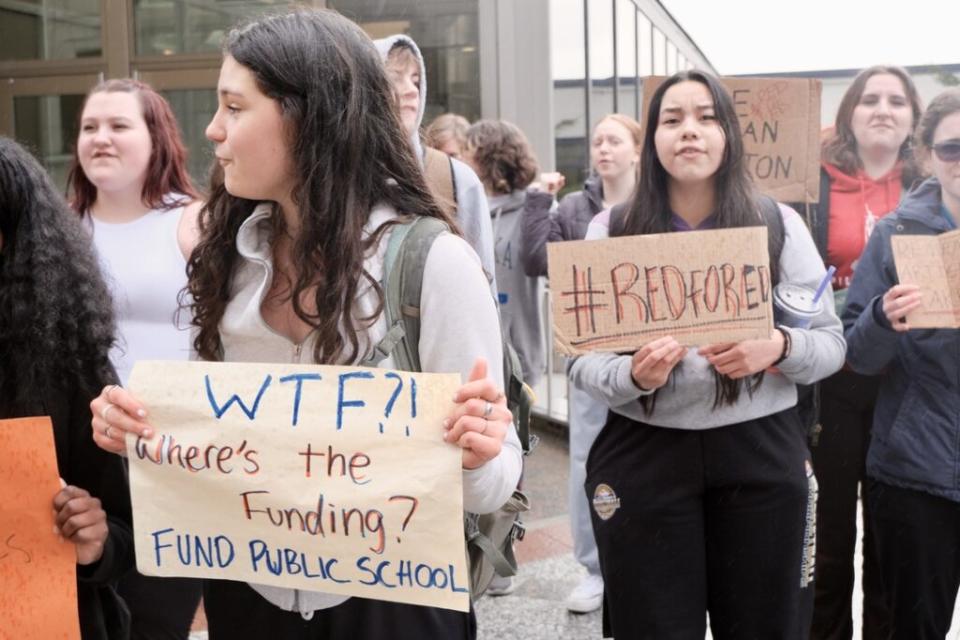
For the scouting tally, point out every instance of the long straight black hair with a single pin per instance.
(736, 202)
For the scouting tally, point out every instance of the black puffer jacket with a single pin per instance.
(570, 222)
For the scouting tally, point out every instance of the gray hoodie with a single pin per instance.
(520, 295)
(473, 214)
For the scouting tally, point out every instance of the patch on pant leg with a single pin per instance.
(605, 501)
(809, 530)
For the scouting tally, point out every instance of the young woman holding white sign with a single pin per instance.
(700, 481)
(316, 173)
(912, 491)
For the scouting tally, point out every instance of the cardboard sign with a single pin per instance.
(38, 570)
(332, 479)
(933, 262)
(780, 123)
(701, 287)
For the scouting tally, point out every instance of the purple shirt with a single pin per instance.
(679, 224)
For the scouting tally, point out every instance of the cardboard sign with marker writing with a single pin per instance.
(780, 126)
(331, 479)
(38, 570)
(933, 262)
(701, 287)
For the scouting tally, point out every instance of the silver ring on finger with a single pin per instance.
(106, 432)
(105, 411)
(109, 389)
(487, 410)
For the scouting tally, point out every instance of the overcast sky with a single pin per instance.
(765, 36)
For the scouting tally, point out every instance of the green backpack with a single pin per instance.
(490, 536)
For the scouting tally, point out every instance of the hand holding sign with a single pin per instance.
(480, 422)
(745, 358)
(900, 301)
(113, 417)
(81, 520)
(654, 361)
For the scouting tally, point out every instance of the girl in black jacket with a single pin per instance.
(55, 334)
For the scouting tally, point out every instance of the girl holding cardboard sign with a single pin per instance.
(316, 173)
(700, 481)
(912, 492)
(55, 337)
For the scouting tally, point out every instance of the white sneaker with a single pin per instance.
(586, 596)
(501, 586)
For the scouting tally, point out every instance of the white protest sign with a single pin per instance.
(332, 479)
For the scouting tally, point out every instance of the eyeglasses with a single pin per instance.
(948, 150)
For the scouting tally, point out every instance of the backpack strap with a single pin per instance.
(402, 284)
(776, 233)
(438, 171)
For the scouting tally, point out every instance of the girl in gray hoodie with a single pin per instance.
(700, 481)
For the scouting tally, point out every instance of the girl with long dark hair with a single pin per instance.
(700, 480)
(867, 167)
(316, 174)
(55, 335)
(130, 186)
(913, 492)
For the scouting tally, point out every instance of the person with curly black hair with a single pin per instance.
(55, 336)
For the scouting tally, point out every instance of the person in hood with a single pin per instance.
(407, 73)
(293, 241)
(913, 490)
(502, 157)
(55, 337)
(867, 167)
(615, 156)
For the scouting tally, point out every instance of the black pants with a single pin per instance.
(839, 460)
(918, 545)
(160, 608)
(237, 612)
(716, 521)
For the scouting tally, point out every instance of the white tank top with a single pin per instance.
(145, 271)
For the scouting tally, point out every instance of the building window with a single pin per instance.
(49, 30)
(644, 31)
(659, 53)
(169, 27)
(567, 56)
(601, 58)
(447, 33)
(628, 98)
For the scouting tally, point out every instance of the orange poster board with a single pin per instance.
(38, 583)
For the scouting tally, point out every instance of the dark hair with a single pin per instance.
(349, 153)
(167, 171)
(945, 104)
(736, 202)
(56, 318)
(840, 147)
(502, 155)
